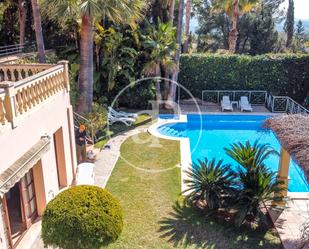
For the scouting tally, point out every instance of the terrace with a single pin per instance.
(24, 88)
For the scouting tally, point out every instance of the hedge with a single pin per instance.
(280, 74)
(82, 217)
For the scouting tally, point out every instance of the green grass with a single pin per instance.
(120, 127)
(153, 214)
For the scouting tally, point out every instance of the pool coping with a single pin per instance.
(185, 152)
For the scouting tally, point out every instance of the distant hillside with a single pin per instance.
(305, 24)
(194, 25)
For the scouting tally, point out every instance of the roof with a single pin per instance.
(293, 134)
(19, 168)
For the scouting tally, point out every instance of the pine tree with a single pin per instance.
(300, 38)
(289, 24)
(300, 30)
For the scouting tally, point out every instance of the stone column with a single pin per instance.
(9, 103)
(283, 175)
(66, 73)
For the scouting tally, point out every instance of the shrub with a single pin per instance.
(257, 183)
(82, 217)
(282, 74)
(210, 182)
(97, 117)
(240, 192)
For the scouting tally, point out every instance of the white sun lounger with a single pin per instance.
(125, 120)
(121, 114)
(226, 104)
(244, 104)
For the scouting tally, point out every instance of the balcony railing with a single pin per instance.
(276, 104)
(16, 72)
(25, 87)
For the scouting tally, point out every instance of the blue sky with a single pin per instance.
(301, 8)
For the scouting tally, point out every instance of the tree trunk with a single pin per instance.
(187, 27)
(85, 80)
(171, 11)
(38, 30)
(173, 86)
(158, 81)
(22, 14)
(234, 33)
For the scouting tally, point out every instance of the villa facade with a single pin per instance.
(37, 144)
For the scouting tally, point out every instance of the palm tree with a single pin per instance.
(117, 11)
(234, 8)
(250, 155)
(38, 30)
(172, 90)
(22, 15)
(257, 184)
(209, 182)
(160, 44)
(187, 26)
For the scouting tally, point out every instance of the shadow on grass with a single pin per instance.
(187, 227)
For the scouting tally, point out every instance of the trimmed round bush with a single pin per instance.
(82, 217)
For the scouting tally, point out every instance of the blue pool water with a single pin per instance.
(210, 134)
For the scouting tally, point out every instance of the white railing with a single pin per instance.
(284, 104)
(16, 49)
(254, 97)
(276, 104)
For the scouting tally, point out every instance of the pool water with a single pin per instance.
(210, 134)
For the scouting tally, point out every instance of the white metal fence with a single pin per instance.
(277, 104)
(15, 49)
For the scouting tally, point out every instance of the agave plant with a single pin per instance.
(209, 182)
(257, 183)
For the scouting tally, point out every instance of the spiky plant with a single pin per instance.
(257, 184)
(250, 155)
(209, 182)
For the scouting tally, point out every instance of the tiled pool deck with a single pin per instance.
(289, 221)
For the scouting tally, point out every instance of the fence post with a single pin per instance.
(273, 105)
(9, 103)
(287, 104)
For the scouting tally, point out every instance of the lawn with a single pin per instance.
(117, 128)
(154, 216)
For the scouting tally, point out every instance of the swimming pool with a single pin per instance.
(210, 134)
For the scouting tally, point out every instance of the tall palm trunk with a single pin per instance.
(86, 65)
(187, 27)
(158, 81)
(38, 30)
(167, 83)
(172, 91)
(22, 14)
(171, 11)
(234, 33)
